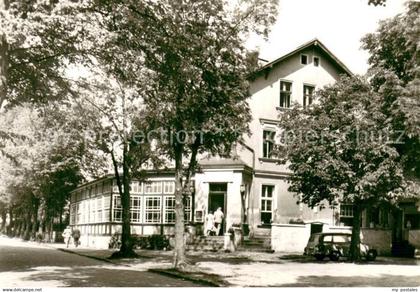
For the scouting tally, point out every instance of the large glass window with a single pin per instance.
(153, 209)
(106, 213)
(266, 204)
(168, 187)
(285, 94)
(154, 187)
(308, 92)
(135, 209)
(268, 143)
(99, 208)
(169, 209)
(73, 212)
(187, 208)
(117, 209)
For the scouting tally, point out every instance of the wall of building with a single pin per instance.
(290, 237)
(294, 237)
(414, 237)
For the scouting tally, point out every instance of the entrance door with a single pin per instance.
(217, 198)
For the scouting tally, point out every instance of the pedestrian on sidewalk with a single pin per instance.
(210, 228)
(76, 237)
(67, 235)
(218, 220)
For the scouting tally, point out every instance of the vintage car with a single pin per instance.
(334, 246)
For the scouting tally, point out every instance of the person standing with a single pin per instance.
(209, 230)
(67, 235)
(218, 220)
(76, 237)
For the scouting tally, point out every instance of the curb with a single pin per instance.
(185, 276)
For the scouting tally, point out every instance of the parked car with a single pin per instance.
(334, 246)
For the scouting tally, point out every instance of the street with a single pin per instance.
(24, 265)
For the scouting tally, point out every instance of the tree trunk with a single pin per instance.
(126, 249)
(10, 227)
(3, 220)
(355, 235)
(4, 59)
(180, 261)
(35, 222)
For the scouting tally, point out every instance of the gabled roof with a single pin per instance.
(315, 42)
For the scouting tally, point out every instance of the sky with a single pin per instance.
(338, 24)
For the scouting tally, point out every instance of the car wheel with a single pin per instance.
(371, 255)
(334, 256)
(319, 257)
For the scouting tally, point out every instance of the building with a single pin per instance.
(251, 187)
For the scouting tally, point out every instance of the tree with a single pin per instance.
(194, 82)
(38, 40)
(117, 127)
(339, 150)
(44, 158)
(395, 75)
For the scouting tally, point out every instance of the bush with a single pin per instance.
(158, 242)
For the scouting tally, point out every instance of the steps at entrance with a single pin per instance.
(206, 243)
(259, 242)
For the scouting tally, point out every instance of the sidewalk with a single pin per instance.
(254, 269)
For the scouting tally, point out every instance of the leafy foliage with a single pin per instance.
(395, 72)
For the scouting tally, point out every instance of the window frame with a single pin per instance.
(268, 143)
(157, 210)
(287, 94)
(265, 198)
(311, 99)
(301, 59)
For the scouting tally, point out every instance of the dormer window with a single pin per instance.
(316, 61)
(285, 94)
(304, 59)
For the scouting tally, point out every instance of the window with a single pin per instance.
(154, 187)
(99, 207)
(135, 187)
(152, 210)
(328, 238)
(117, 208)
(285, 93)
(73, 212)
(316, 61)
(92, 210)
(169, 187)
(268, 143)
(266, 204)
(342, 238)
(187, 208)
(304, 59)
(169, 209)
(79, 213)
(346, 210)
(106, 203)
(307, 95)
(135, 209)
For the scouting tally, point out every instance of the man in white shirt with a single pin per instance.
(218, 219)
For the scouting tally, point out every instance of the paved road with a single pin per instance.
(30, 266)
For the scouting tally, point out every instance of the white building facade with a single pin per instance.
(251, 187)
